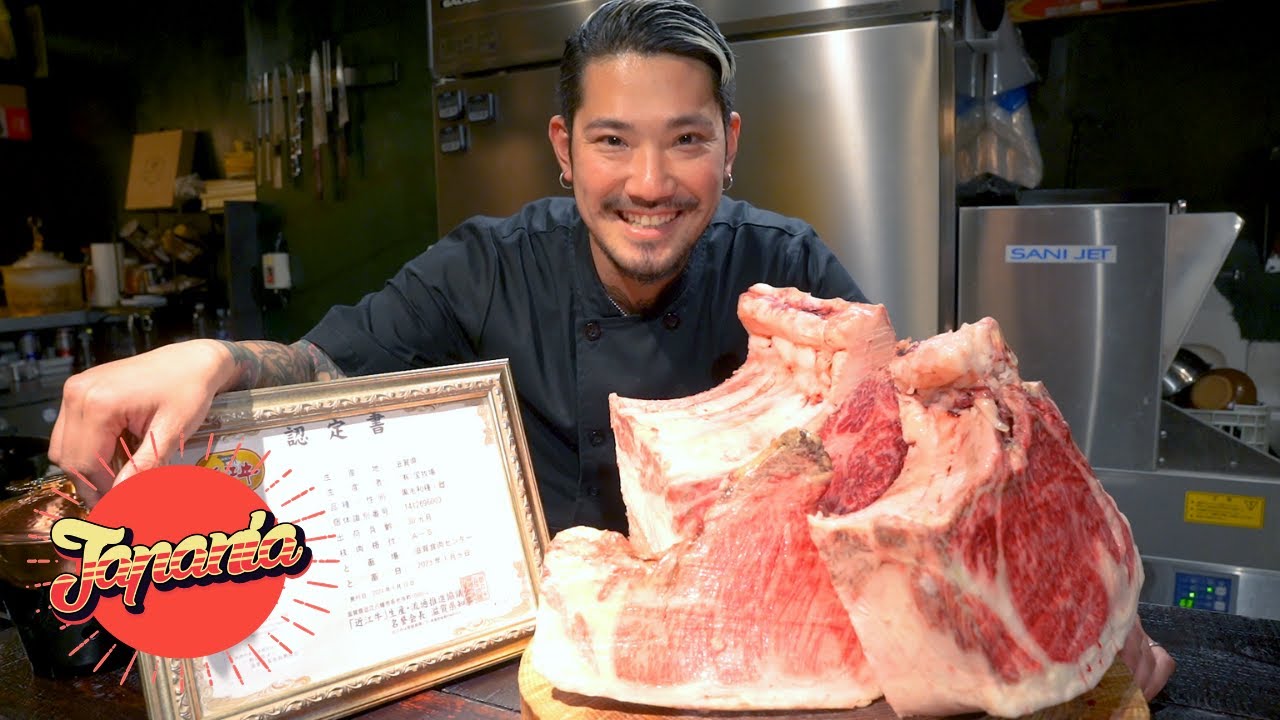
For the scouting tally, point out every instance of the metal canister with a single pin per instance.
(28, 560)
(64, 342)
(29, 346)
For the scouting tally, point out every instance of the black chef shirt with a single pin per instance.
(525, 288)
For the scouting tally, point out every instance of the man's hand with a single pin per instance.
(162, 396)
(158, 396)
(1150, 663)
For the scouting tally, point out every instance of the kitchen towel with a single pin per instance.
(106, 259)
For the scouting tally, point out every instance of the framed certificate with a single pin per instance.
(418, 502)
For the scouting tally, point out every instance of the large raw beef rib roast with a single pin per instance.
(847, 516)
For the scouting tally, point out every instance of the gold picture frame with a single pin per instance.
(456, 422)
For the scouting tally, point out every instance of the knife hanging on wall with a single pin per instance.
(277, 130)
(298, 120)
(326, 70)
(290, 113)
(326, 67)
(266, 128)
(319, 124)
(260, 107)
(343, 116)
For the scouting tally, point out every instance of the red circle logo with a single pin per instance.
(185, 562)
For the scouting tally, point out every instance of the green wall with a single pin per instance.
(352, 241)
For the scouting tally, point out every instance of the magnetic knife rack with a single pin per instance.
(356, 76)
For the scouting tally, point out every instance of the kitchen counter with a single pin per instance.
(1228, 668)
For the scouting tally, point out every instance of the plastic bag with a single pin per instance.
(998, 137)
(995, 135)
(188, 187)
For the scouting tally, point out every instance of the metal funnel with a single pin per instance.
(1196, 246)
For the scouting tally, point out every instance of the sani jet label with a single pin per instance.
(1060, 254)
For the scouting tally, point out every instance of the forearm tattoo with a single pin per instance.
(268, 364)
(322, 366)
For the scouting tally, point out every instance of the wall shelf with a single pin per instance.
(71, 318)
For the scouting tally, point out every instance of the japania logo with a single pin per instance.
(180, 561)
(111, 566)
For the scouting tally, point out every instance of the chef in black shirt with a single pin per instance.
(525, 288)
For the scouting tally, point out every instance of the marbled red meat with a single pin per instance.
(975, 557)
(994, 573)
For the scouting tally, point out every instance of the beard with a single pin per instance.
(648, 269)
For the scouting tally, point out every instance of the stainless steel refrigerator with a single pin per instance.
(847, 123)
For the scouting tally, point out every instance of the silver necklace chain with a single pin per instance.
(616, 305)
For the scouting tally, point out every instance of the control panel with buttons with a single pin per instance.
(1203, 592)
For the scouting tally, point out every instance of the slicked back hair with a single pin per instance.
(646, 27)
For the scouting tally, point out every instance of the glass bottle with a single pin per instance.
(199, 322)
(222, 331)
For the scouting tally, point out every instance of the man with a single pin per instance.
(631, 287)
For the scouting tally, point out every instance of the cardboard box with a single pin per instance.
(158, 159)
(15, 119)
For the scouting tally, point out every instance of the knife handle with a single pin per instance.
(342, 153)
(315, 154)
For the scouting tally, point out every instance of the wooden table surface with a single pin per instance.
(1228, 668)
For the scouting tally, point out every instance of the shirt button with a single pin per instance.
(596, 438)
(671, 321)
(593, 491)
(592, 330)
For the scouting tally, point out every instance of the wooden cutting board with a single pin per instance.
(1115, 698)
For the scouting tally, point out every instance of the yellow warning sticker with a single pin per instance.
(1242, 511)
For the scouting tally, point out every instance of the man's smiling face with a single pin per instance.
(648, 154)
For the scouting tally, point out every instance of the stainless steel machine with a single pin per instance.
(847, 123)
(1095, 300)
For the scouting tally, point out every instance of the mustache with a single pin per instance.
(618, 203)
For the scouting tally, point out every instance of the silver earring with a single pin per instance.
(728, 182)
(565, 185)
